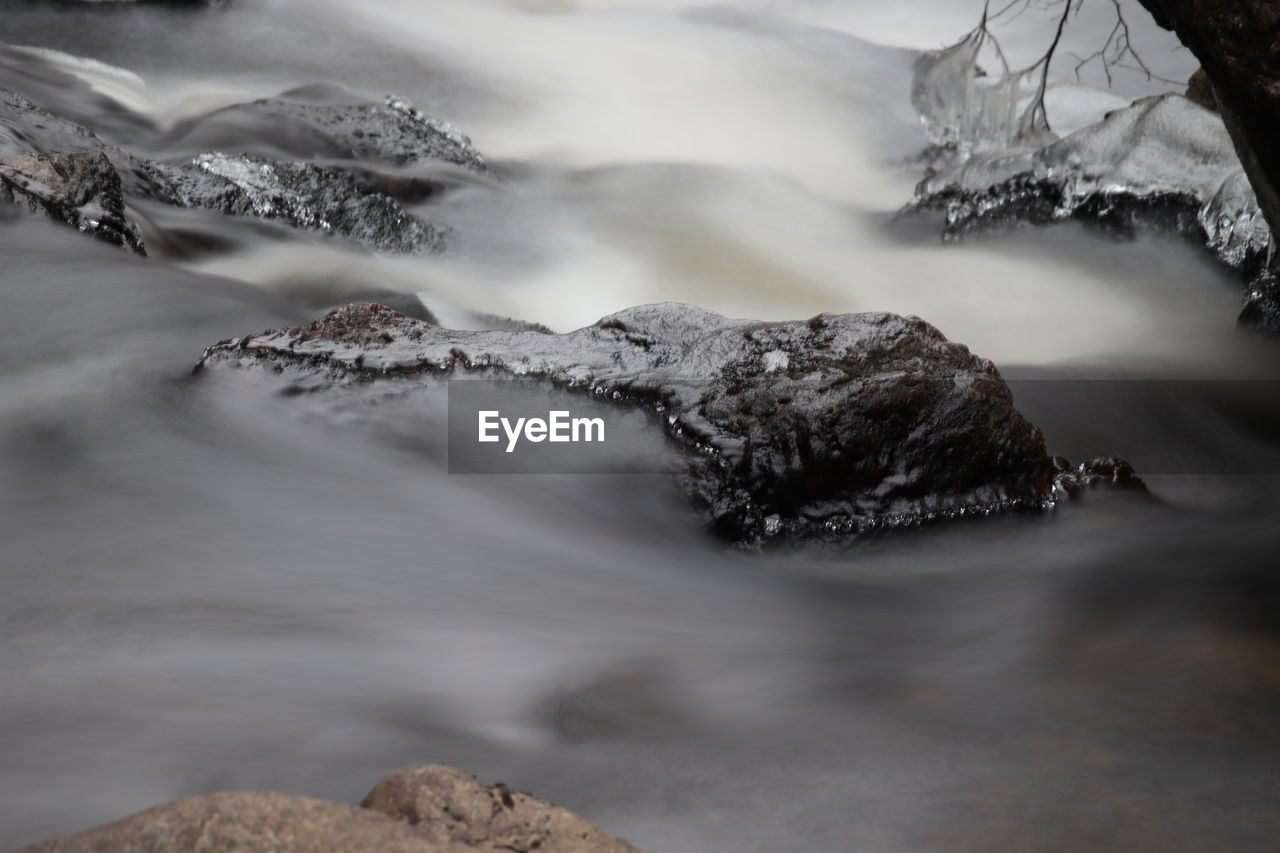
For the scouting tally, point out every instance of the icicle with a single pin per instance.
(974, 113)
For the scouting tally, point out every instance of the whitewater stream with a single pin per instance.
(201, 590)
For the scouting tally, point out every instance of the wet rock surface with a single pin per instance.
(80, 190)
(456, 811)
(423, 809)
(327, 197)
(328, 122)
(798, 431)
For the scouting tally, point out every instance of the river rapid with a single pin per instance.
(202, 590)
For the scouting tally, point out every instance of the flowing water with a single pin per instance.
(203, 590)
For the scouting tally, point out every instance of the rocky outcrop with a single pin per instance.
(426, 809)
(80, 190)
(453, 809)
(1162, 164)
(1235, 41)
(345, 199)
(813, 430)
(1157, 162)
(327, 122)
(326, 199)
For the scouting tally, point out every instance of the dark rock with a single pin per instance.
(1235, 41)
(80, 190)
(1072, 481)
(455, 811)
(1200, 91)
(1262, 305)
(1029, 201)
(794, 431)
(326, 199)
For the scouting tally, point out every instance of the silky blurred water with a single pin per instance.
(205, 588)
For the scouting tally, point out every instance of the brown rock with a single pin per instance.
(451, 807)
(81, 190)
(1200, 91)
(250, 822)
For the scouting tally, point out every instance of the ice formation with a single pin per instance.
(1161, 162)
(966, 110)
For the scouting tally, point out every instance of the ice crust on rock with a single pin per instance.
(346, 199)
(1163, 162)
(818, 429)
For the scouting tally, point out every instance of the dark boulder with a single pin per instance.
(80, 190)
(796, 431)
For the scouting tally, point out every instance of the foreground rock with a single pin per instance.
(812, 430)
(80, 190)
(453, 809)
(248, 822)
(426, 809)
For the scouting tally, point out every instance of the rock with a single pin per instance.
(327, 199)
(424, 809)
(1163, 164)
(1262, 306)
(453, 809)
(1235, 41)
(796, 431)
(250, 822)
(1156, 163)
(1200, 91)
(81, 190)
(25, 128)
(1118, 474)
(1236, 44)
(329, 123)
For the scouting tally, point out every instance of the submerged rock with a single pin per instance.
(795, 431)
(425, 809)
(454, 810)
(80, 190)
